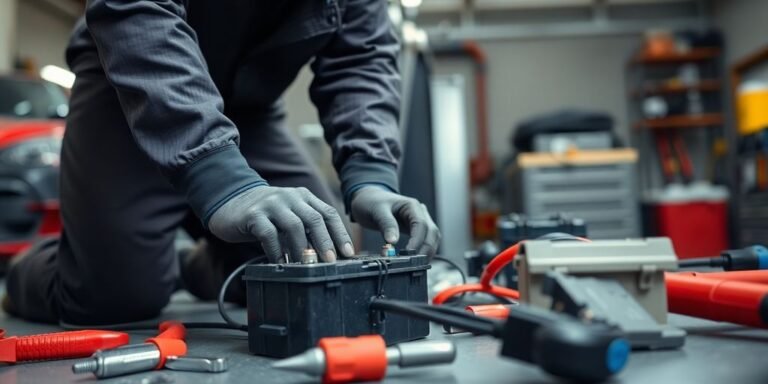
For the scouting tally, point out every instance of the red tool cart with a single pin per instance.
(694, 216)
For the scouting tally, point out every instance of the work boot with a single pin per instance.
(205, 266)
(7, 306)
(22, 298)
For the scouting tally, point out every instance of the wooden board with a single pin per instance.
(577, 158)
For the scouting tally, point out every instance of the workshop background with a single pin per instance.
(609, 119)
(678, 84)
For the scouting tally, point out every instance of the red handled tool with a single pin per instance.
(137, 357)
(365, 358)
(492, 311)
(720, 297)
(59, 345)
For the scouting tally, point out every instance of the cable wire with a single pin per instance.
(453, 311)
(696, 263)
(220, 300)
(493, 268)
(473, 325)
(454, 265)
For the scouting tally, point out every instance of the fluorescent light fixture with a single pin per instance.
(411, 3)
(58, 75)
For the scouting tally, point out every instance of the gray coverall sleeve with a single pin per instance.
(357, 93)
(151, 57)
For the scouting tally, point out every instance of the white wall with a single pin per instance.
(42, 33)
(528, 77)
(7, 34)
(745, 25)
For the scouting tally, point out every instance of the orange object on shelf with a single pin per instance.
(659, 44)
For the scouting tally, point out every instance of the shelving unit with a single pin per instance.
(660, 77)
(692, 56)
(682, 122)
(751, 204)
(706, 85)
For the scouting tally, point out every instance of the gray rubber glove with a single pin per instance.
(264, 214)
(385, 211)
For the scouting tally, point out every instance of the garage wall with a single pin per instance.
(744, 25)
(7, 34)
(42, 33)
(528, 77)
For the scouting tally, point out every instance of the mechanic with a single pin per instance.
(176, 119)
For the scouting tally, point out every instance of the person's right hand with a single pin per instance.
(264, 214)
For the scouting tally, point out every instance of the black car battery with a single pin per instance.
(292, 306)
(514, 228)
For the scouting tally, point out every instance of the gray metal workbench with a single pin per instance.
(714, 353)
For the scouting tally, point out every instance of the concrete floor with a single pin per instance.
(714, 353)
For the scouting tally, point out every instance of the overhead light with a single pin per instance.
(411, 3)
(58, 75)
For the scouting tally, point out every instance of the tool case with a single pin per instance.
(292, 306)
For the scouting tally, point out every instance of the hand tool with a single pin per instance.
(674, 157)
(196, 364)
(564, 346)
(711, 297)
(60, 345)
(559, 344)
(365, 358)
(758, 277)
(744, 259)
(137, 357)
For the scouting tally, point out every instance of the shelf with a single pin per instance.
(665, 89)
(682, 121)
(695, 55)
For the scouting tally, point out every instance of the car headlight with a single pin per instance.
(32, 153)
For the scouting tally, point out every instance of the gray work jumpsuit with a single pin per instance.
(175, 109)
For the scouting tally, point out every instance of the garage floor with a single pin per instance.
(714, 353)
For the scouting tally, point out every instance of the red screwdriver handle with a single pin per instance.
(362, 358)
(64, 345)
(172, 330)
(170, 341)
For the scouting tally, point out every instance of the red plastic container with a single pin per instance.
(694, 218)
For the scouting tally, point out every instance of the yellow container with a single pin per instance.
(753, 111)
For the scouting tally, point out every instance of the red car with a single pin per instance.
(31, 127)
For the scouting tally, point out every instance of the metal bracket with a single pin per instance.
(645, 279)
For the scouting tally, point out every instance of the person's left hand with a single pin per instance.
(376, 208)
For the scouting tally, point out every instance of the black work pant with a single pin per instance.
(116, 260)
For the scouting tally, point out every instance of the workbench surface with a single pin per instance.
(714, 353)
